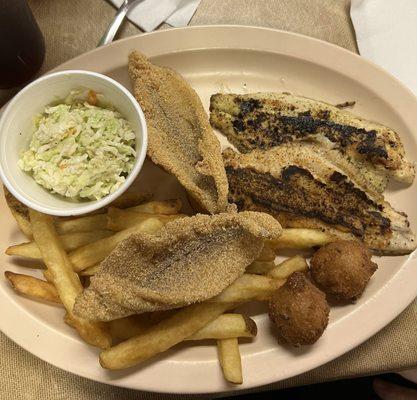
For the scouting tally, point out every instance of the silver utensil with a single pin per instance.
(117, 22)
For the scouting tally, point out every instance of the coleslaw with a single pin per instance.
(80, 150)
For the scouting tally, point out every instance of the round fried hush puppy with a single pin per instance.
(299, 310)
(342, 269)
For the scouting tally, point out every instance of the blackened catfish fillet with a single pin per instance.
(266, 120)
(302, 189)
(180, 138)
(189, 260)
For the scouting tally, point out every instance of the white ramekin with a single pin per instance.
(17, 127)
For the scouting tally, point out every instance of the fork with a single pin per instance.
(117, 22)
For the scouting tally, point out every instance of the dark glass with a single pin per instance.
(22, 47)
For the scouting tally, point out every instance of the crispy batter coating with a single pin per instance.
(180, 137)
(342, 269)
(299, 311)
(189, 260)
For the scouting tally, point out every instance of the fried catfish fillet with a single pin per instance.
(189, 260)
(180, 138)
(303, 189)
(266, 120)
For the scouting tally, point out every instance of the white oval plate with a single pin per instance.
(236, 59)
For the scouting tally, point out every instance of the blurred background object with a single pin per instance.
(22, 46)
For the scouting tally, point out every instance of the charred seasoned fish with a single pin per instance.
(189, 260)
(180, 138)
(265, 120)
(301, 188)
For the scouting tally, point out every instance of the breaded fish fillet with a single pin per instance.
(180, 138)
(266, 120)
(189, 260)
(301, 188)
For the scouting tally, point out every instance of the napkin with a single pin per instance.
(149, 14)
(386, 33)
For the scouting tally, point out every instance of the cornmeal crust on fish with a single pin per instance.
(180, 138)
(266, 120)
(189, 260)
(302, 188)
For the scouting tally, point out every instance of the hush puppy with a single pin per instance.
(299, 311)
(342, 269)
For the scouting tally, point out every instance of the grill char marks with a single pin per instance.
(298, 185)
(274, 129)
(266, 120)
(279, 129)
(297, 192)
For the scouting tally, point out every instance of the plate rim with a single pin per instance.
(378, 323)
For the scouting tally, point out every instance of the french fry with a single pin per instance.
(123, 219)
(223, 327)
(33, 287)
(66, 281)
(70, 241)
(166, 207)
(248, 288)
(130, 199)
(267, 254)
(96, 252)
(289, 266)
(126, 200)
(162, 336)
(90, 271)
(230, 361)
(82, 224)
(295, 238)
(128, 327)
(260, 267)
(227, 326)
(48, 276)
(23, 223)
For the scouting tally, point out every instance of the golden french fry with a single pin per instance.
(96, 252)
(126, 200)
(227, 326)
(128, 327)
(248, 288)
(66, 281)
(289, 266)
(162, 336)
(295, 238)
(70, 241)
(130, 199)
(47, 275)
(82, 224)
(223, 327)
(267, 254)
(166, 207)
(229, 357)
(260, 267)
(123, 219)
(158, 316)
(90, 271)
(23, 223)
(33, 287)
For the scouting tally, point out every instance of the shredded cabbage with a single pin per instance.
(80, 151)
